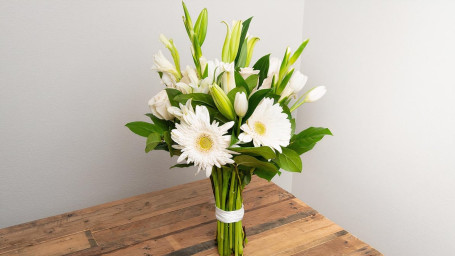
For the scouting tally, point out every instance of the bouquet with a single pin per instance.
(229, 119)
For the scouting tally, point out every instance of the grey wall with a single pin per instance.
(388, 174)
(72, 73)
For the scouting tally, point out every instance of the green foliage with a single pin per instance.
(265, 152)
(152, 141)
(160, 124)
(181, 166)
(196, 98)
(263, 169)
(289, 160)
(240, 59)
(171, 93)
(297, 53)
(252, 82)
(263, 66)
(143, 129)
(239, 81)
(254, 100)
(307, 139)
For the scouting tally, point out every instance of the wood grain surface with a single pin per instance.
(180, 221)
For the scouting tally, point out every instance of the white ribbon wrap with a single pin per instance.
(229, 216)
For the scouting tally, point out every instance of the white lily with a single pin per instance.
(162, 64)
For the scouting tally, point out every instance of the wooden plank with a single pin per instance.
(108, 215)
(336, 247)
(201, 237)
(59, 246)
(179, 220)
(300, 233)
(365, 251)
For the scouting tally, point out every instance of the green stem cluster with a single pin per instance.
(227, 188)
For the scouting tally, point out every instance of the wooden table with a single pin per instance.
(180, 221)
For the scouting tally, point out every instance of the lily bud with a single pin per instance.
(250, 46)
(200, 27)
(222, 102)
(240, 104)
(232, 41)
(315, 94)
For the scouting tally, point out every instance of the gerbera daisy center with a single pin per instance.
(259, 128)
(204, 142)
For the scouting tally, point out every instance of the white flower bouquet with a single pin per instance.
(229, 119)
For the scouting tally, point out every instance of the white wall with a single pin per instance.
(388, 174)
(72, 73)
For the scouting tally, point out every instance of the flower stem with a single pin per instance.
(239, 124)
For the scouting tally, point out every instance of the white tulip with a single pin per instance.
(315, 94)
(162, 64)
(159, 105)
(295, 84)
(240, 104)
(248, 71)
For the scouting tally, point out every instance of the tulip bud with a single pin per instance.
(222, 102)
(240, 104)
(315, 94)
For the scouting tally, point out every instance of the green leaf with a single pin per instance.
(291, 119)
(197, 98)
(263, 66)
(285, 81)
(160, 124)
(234, 138)
(142, 128)
(152, 141)
(180, 166)
(297, 53)
(307, 139)
(265, 152)
(263, 169)
(239, 81)
(168, 140)
(171, 94)
(162, 146)
(254, 100)
(289, 160)
(242, 55)
(252, 82)
(245, 26)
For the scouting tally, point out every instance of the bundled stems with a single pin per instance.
(227, 188)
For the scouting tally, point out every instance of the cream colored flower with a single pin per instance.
(159, 105)
(162, 64)
(240, 104)
(267, 126)
(295, 85)
(248, 71)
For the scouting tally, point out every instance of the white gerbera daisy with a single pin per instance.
(267, 126)
(202, 143)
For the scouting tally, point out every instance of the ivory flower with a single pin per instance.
(240, 104)
(159, 105)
